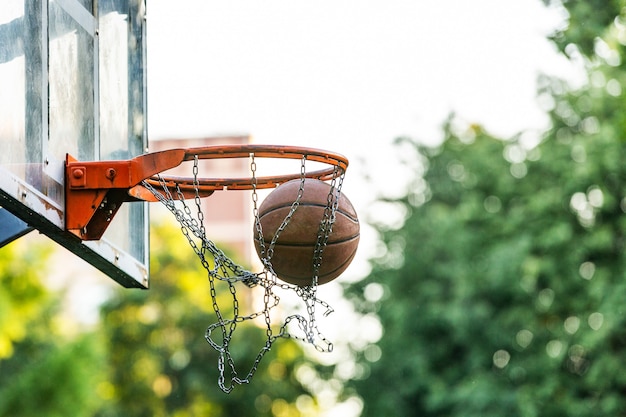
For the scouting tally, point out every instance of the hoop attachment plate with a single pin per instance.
(94, 191)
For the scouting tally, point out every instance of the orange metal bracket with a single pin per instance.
(94, 191)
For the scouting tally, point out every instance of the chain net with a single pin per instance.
(226, 277)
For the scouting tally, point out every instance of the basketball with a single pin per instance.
(293, 253)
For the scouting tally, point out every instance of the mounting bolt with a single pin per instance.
(110, 174)
(78, 178)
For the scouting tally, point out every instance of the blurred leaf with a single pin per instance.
(43, 371)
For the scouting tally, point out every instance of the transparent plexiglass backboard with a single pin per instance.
(72, 81)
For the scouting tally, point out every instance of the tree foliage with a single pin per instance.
(44, 370)
(505, 285)
(588, 21)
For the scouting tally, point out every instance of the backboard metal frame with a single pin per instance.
(114, 262)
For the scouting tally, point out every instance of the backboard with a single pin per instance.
(72, 80)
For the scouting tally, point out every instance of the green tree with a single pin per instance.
(160, 363)
(504, 287)
(44, 370)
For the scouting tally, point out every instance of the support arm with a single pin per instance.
(94, 191)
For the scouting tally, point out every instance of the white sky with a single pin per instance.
(340, 73)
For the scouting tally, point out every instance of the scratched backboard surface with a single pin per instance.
(72, 80)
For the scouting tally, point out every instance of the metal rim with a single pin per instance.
(337, 166)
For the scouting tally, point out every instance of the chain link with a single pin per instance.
(222, 271)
